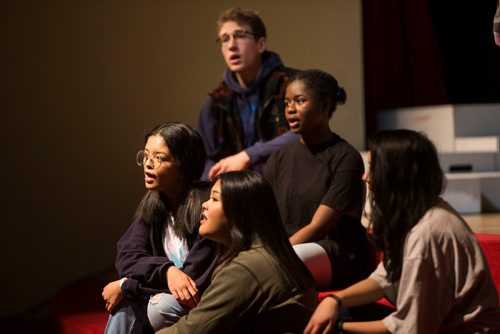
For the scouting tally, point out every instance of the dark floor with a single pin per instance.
(79, 296)
(38, 320)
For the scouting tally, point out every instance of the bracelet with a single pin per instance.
(337, 298)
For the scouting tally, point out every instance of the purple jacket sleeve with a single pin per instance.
(260, 151)
(133, 289)
(141, 257)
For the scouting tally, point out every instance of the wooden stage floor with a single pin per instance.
(484, 223)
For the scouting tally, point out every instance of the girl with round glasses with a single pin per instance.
(162, 251)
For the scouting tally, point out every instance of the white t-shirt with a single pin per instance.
(175, 247)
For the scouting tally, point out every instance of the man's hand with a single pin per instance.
(238, 161)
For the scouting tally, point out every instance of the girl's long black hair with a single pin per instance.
(406, 181)
(253, 214)
(186, 147)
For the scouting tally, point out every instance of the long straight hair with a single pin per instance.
(186, 147)
(406, 181)
(252, 211)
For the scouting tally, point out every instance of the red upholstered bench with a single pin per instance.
(491, 248)
(79, 309)
(83, 323)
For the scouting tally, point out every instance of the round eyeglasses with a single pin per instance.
(142, 158)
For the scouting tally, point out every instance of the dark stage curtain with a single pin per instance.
(471, 60)
(402, 63)
(425, 52)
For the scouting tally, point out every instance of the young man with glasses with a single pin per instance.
(242, 120)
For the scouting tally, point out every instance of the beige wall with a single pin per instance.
(84, 80)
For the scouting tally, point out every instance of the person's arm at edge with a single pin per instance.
(496, 25)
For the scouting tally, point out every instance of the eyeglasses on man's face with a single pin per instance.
(238, 36)
(142, 158)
